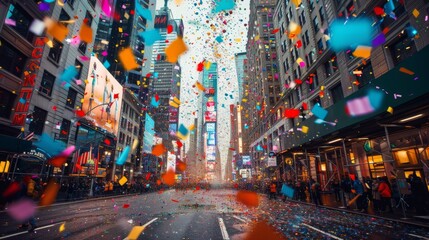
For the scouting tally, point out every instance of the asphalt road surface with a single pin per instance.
(200, 215)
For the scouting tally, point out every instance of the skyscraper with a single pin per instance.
(241, 68)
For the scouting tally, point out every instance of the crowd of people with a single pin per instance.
(379, 194)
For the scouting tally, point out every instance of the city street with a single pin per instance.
(201, 214)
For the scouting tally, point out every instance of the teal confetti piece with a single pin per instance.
(68, 74)
(145, 13)
(106, 64)
(319, 112)
(224, 5)
(123, 157)
(150, 36)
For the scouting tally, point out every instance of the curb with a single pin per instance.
(363, 214)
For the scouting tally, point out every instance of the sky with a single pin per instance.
(202, 26)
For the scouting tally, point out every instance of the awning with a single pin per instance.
(13, 144)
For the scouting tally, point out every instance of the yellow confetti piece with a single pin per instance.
(192, 127)
(135, 232)
(238, 40)
(257, 38)
(304, 129)
(297, 2)
(135, 143)
(207, 64)
(123, 180)
(62, 227)
(416, 13)
(390, 110)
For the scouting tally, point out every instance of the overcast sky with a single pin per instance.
(201, 28)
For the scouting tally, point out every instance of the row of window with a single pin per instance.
(37, 121)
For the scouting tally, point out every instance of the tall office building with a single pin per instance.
(264, 82)
(125, 33)
(165, 77)
(362, 143)
(207, 124)
(241, 68)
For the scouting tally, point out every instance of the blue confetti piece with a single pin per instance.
(145, 13)
(155, 74)
(150, 36)
(375, 98)
(223, 5)
(319, 112)
(106, 64)
(22, 100)
(154, 103)
(123, 157)
(287, 191)
(259, 148)
(68, 74)
(219, 39)
(183, 130)
(50, 145)
(351, 33)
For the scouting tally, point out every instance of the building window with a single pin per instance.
(315, 101)
(71, 3)
(55, 52)
(328, 69)
(64, 17)
(402, 49)
(65, 130)
(334, 63)
(316, 24)
(313, 81)
(19, 20)
(71, 98)
(92, 3)
(366, 76)
(7, 100)
(88, 18)
(79, 67)
(322, 15)
(82, 47)
(38, 122)
(320, 46)
(337, 93)
(11, 59)
(47, 83)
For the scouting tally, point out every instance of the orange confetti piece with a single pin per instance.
(158, 150)
(406, 71)
(55, 29)
(127, 59)
(158, 182)
(135, 232)
(50, 193)
(200, 86)
(248, 198)
(85, 33)
(169, 177)
(181, 166)
(175, 49)
(261, 230)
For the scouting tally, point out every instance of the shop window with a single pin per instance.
(38, 122)
(406, 157)
(7, 100)
(19, 20)
(71, 98)
(64, 17)
(11, 60)
(47, 84)
(55, 51)
(376, 166)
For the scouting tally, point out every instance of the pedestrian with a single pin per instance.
(361, 201)
(385, 194)
(273, 190)
(336, 188)
(27, 191)
(346, 186)
(315, 192)
(419, 194)
(376, 198)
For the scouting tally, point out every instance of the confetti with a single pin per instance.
(50, 193)
(127, 59)
(21, 210)
(350, 33)
(62, 227)
(362, 52)
(175, 49)
(135, 232)
(158, 150)
(406, 71)
(123, 157)
(85, 33)
(169, 177)
(123, 180)
(248, 198)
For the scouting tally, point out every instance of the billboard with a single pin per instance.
(210, 91)
(173, 115)
(246, 160)
(103, 96)
(272, 162)
(149, 133)
(210, 116)
(172, 128)
(210, 166)
(211, 127)
(161, 21)
(210, 106)
(211, 153)
(171, 162)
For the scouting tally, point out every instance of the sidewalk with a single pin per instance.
(328, 201)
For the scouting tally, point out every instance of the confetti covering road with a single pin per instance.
(213, 214)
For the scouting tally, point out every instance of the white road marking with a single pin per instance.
(223, 229)
(417, 236)
(24, 232)
(327, 234)
(151, 221)
(236, 217)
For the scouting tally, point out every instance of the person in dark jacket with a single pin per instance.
(361, 202)
(419, 194)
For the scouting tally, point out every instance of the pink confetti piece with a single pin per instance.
(22, 210)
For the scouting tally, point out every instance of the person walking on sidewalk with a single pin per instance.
(361, 202)
(336, 188)
(419, 194)
(376, 198)
(28, 191)
(315, 192)
(273, 190)
(386, 194)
